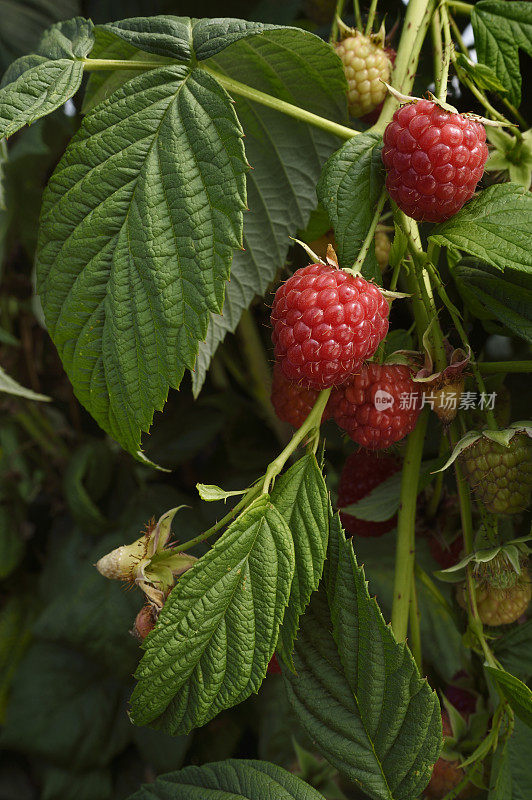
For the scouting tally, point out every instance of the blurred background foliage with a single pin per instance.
(68, 494)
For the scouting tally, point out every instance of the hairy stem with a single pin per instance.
(406, 520)
(371, 17)
(337, 15)
(311, 423)
(250, 495)
(447, 54)
(241, 89)
(493, 367)
(358, 15)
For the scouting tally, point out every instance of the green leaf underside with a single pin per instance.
(286, 158)
(36, 85)
(218, 629)
(500, 30)
(490, 295)
(301, 497)
(357, 692)
(137, 229)
(494, 226)
(516, 692)
(10, 386)
(349, 189)
(229, 780)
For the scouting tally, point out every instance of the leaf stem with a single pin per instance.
(269, 101)
(370, 236)
(494, 367)
(312, 422)
(459, 7)
(437, 48)
(98, 64)
(337, 15)
(466, 516)
(250, 495)
(405, 549)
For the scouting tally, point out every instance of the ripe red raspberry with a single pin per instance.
(434, 160)
(366, 66)
(325, 322)
(362, 472)
(501, 477)
(293, 403)
(369, 408)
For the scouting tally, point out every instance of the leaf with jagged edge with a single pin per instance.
(500, 30)
(234, 779)
(35, 85)
(494, 226)
(219, 626)
(301, 497)
(138, 226)
(358, 693)
(349, 189)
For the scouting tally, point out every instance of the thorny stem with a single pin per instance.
(406, 519)
(357, 266)
(311, 423)
(466, 516)
(260, 371)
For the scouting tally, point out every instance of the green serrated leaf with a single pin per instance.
(519, 749)
(500, 30)
(36, 85)
(229, 780)
(482, 75)
(494, 226)
(219, 626)
(349, 189)
(301, 497)
(515, 691)
(151, 188)
(490, 295)
(399, 247)
(10, 386)
(357, 689)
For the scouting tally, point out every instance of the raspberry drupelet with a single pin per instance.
(434, 160)
(378, 406)
(325, 323)
(292, 403)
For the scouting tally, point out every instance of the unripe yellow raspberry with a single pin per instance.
(366, 65)
(382, 249)
(500, 606)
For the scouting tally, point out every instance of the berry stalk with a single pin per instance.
(405, 552)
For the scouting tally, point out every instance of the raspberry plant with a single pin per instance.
(232, 211)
